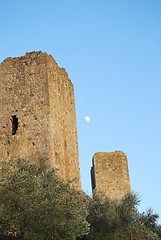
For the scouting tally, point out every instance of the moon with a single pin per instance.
(87, 119)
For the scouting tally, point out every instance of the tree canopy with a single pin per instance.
(120, 220)
(36, 205)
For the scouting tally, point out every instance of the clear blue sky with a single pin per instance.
(112, 53)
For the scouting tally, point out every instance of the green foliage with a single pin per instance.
(149, 222)
(103, 217)
(120, 220)
(35, 204)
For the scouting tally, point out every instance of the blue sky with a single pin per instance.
(112, 53)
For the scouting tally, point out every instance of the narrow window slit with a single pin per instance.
(14, 120)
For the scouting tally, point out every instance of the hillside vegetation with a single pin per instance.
(36, 205)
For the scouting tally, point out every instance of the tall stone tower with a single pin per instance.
(37, 113)
(110, 175)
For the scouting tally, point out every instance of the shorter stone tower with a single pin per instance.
(110, 175)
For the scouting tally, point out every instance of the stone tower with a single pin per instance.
(37, 113)
(110, 175)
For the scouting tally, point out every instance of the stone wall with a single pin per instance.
(110, 174)
(37, 113)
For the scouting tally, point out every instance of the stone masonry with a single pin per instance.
(110, 175)
(37, 113)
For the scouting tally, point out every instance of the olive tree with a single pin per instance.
(36, 204)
